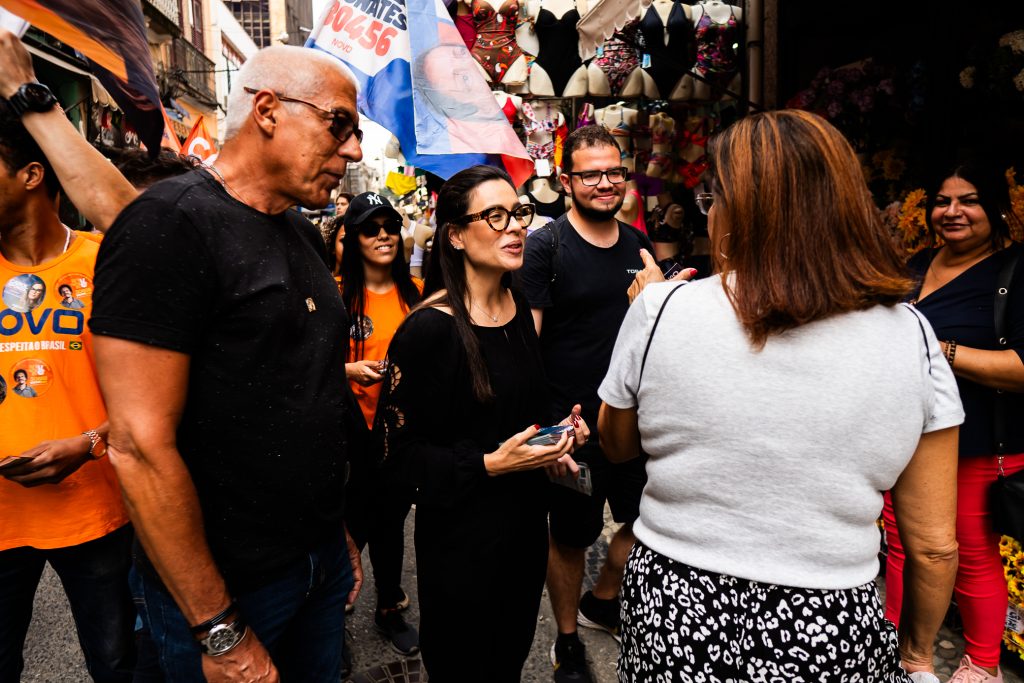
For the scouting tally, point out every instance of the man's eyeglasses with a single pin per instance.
(498, 217)
(342, 127)
(591, 178)
(704, 202)
(373, 229)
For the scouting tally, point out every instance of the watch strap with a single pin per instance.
(219, 618)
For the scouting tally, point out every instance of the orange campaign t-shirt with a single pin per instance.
(383, 313)
(48, 390)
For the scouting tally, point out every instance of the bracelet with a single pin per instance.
(200, 629)
(95, 440)
(951, 351)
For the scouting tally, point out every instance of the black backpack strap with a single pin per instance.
(552, 229)
(1003, 281)
(654, 327)
(924, 335)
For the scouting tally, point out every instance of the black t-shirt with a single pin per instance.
(964, 309)
(583, 307)
(187, 268)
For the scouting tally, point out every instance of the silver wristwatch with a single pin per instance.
(223, 638)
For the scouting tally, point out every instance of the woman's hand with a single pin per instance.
(364, 372)
(515, 455)
(562, 467)
(652, 273)
(581, 432)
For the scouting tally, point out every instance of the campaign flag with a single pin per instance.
(170, 138)
(112, 36)
(199, 142)
(418, 80)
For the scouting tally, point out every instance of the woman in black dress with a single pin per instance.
(464, 390)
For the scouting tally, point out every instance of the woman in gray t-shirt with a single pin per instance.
(815, 390)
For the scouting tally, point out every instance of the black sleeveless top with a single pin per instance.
(559, 52)
(670, 62)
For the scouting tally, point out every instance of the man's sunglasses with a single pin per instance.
(342, 127)
(373, 229)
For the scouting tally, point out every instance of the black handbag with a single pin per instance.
(1006, 495)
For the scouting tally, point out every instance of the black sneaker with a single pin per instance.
(600, 614)
(403, 637)
(569, 657)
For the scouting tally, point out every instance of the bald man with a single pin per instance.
(219, 342)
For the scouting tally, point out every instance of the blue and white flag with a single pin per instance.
(418, 80)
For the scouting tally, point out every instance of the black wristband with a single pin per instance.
(200, 629)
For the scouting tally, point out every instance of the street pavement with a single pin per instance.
(52, 653)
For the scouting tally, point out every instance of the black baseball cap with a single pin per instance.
(365, 206)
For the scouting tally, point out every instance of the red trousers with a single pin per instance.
(980, 587)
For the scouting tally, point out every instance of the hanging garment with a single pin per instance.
(550, 209)
(669, 62)
(496, 48)
(717, 56)
(510, 111)
(619, 57)
(559, 53)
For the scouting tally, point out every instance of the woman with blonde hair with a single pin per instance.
(756, 543)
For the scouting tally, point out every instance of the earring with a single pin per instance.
(720, 252)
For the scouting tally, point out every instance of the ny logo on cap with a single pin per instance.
(374, 199)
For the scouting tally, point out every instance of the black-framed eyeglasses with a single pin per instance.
(342, 126)
(371, 229)
(591, 178)
(704, 202)
(499, 218)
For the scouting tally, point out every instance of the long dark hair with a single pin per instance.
(353, 282)
(993, 196)
(448, 269)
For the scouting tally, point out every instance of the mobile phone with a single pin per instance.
(670, 268)
(548, 436)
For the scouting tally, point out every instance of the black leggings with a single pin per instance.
(680, 623)
(375, 514)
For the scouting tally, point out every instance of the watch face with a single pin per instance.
(37, 96)
(222, 638)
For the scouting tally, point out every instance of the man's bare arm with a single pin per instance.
(145, 388)
(91, 182)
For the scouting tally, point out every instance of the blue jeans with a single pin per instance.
(95, 580)
(299, 618)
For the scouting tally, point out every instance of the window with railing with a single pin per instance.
(192, 69)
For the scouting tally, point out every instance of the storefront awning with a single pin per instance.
(99, 93)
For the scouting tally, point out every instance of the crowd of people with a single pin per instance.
(212, 411)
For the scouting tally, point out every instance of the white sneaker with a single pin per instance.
(969, 673)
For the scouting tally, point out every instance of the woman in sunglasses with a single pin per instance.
(465, 391)
(378, 293)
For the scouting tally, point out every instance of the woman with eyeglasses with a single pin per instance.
(465, 391)
(756, 544)
(378, 293)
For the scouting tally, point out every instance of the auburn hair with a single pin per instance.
(805, 239)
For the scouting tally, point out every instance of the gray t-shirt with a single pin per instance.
(769, 464)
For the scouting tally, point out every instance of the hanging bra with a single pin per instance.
(550, 209)
(618, 57)
(717, 59)
(558, 55)
(467, 29)
(669, 63)
(586, 117)
(496, 48)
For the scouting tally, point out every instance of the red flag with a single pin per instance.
(199, 143)
(170, 138)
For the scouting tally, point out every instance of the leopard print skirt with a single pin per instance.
(683, 624)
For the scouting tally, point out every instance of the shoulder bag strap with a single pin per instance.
(1003, 282)
(647, 349)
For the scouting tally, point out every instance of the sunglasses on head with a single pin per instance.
(391, 227)
(342, 126)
